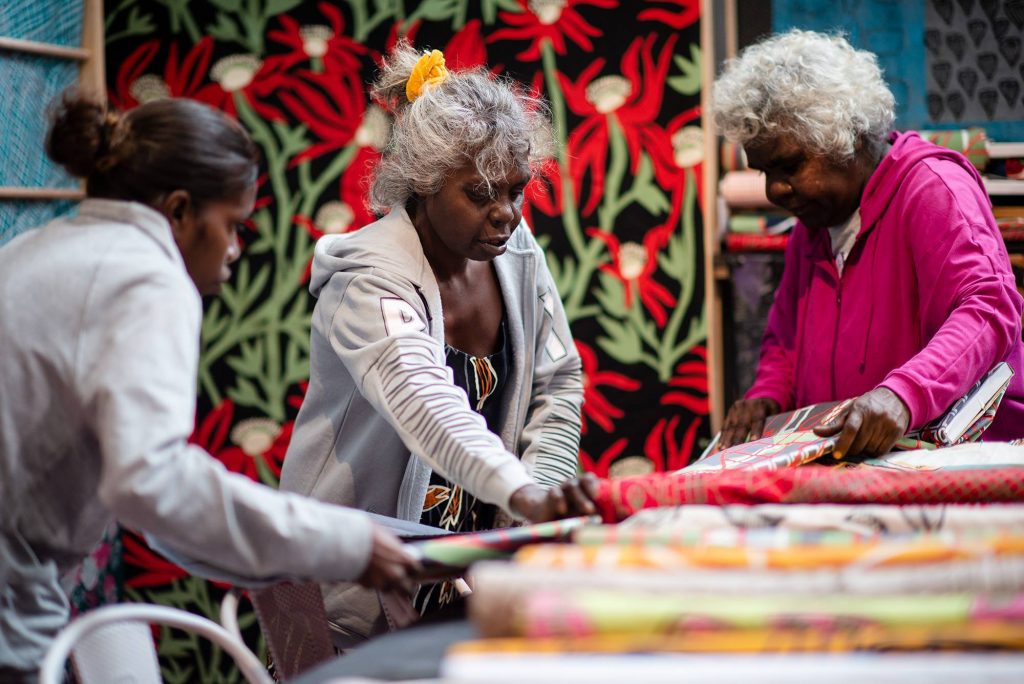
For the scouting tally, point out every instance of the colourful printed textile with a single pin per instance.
(502, 583)
(788, 441)
(774, 537)
(971, 414)
(788, 438)
(585, 612)
(967, 456)
(863, 519)
(845, 636)
(970, 142)
(784, 551)
(453, 554)
(618, 499)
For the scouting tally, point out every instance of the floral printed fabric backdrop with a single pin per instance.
(618, 209)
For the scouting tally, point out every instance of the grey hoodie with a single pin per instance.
(382, 410)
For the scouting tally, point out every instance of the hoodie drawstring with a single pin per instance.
(871, 304)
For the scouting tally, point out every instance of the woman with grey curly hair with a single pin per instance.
(897, 289)
(445, 386)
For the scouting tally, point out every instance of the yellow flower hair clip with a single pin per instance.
(429, 71)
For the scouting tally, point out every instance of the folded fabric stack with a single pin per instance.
(651, 593)
(751, 222)
(747, 558)
(795, 574)
(1002, 164)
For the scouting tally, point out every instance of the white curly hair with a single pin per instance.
(814, 86)
(473, 116)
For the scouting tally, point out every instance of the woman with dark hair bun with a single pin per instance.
(99, 327)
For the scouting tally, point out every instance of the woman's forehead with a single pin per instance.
(765, 149)
(513, 175)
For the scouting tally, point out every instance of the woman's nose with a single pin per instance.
(503, 211)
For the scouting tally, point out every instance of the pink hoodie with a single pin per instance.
(926, 304)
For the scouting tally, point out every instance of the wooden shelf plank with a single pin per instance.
(91, 77)
(16, 193)
(1003, 186)
(44, 49)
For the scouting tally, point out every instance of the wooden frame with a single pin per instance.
(709, 200)
(91, 79)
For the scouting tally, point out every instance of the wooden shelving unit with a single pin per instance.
(91, 80)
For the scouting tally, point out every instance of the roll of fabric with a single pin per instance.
(970, 142)
(867, 520)
(852, 636)
(733, 157)
(792, 551)
(500, 585)
(580, 613)
(744, 190)
(452, 554)
(618, 499)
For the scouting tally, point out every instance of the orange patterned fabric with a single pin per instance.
(618, 499)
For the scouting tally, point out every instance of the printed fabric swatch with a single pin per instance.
(841, 637)
(450, 556)
(788, 440)
(501, 583)
(582, 613)
(618, 499)
(864, 519)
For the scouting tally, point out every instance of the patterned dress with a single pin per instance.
(448, 505)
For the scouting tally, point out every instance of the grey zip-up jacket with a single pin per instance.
(99, 341)
(382, 410)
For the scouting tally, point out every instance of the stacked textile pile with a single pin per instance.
(751, 222)
(717, 575)
(1002, 164)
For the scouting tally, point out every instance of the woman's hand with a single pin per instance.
(390, 564)
(571, 498)
(746, 417)
(871, 425)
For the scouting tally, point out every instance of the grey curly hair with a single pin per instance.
(471, 117)
(813, 86)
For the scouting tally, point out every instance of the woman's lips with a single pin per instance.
(494, 245)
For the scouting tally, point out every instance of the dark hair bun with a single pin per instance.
(78, 134)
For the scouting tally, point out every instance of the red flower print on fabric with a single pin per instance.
(600, 466)
(596, 406)
(634, 265)
(338, 53)
(551, 20)
(133, 85)
(250, 439)
(687, 12)
(635, 105)
(667, 451)
(155, 569)
(690, 384)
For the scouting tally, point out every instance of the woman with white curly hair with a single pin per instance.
(897, 288)
(445, 386)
